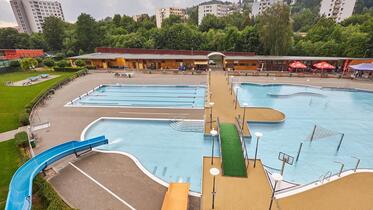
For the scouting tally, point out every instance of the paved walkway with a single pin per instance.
(109, 181)
(224, 106)
(351, 192)
(10, 134)
(251, 193)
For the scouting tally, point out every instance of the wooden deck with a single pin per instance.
(225, 108)
(232, 193)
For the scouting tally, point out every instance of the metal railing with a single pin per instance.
(219, 138)
(243, 143)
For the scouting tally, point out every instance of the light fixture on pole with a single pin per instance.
(214, 172)
(277, 178)
(244, 113)
(213, 133)
(211, 105)
(258, 136)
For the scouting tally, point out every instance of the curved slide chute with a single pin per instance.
(20, 188)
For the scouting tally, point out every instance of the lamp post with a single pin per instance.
(211, 105)
(244, 113)
(258, 136)
(277, 178)
(214, 172)
(213, 133)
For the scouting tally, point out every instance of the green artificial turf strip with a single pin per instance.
(9, 162)
(14, 99)
(233, 159)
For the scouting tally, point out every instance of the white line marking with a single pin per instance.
(102, 186)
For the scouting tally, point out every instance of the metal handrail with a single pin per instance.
(243, 143)
(219, 138)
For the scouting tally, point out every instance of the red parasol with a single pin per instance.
(324, 65)
(297, 65)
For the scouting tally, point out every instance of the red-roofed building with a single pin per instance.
(12, 54)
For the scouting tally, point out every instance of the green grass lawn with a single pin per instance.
(9, 163)
(233, 159)
(14, 99)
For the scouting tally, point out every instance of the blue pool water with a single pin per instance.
(333, 111)
(169, 150)
(144, 96)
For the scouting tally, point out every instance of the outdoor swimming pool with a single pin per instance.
(170, 150)
(334, 111)
(143, 96)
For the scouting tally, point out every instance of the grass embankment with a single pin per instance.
(233, 159)
(13, 100)
(13, 155)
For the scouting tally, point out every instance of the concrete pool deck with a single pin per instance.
(224, 106)
(68, 123)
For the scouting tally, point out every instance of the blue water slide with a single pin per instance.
(20, 188)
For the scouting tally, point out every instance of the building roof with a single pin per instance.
(135, 56)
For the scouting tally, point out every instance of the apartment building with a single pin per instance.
(164, 13)
(259, 6)
(337, 9)
(216, 8)
(30, 14)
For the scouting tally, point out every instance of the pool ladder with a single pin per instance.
(327, 177)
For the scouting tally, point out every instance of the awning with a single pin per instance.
(200, 62)
(363, 67)
(324, 65)
(297, 65)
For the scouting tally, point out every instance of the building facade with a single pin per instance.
(337, 9)
(259, 6)
(164, 13)
(219, 9)
(30, 14)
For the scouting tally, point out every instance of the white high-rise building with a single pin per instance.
(30, 14)
(259, 6)
(337, 9)
(164, 13)
(217, 8)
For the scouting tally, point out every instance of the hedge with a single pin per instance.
(42, 95)
(21, 139)
(49, 198)
(67, 69)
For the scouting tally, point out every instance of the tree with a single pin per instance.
(116, 20)
(87, 33)
(211, 22)
(304, 20)
(249, 40)
(178, 37)
(54, 32)
(173, 19)
(28, 63)
(193, 15)
(11, 39)
(37, 41)
(128, 23)
(275, 29)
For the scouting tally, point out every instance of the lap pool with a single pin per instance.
(143, 96)
(333, 111)
(170, 150)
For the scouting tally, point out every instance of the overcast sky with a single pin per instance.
(100, 9)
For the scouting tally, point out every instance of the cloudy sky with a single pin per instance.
(100, 8)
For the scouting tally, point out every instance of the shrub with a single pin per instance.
(91, 67)
(21, 139)
(70, 53)
(59, 56)
(23, 119)
(67, 69)
(62, 63)
(48, 62)
(80, 63)
(14, 63)
(28, 63)
(39, 60)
